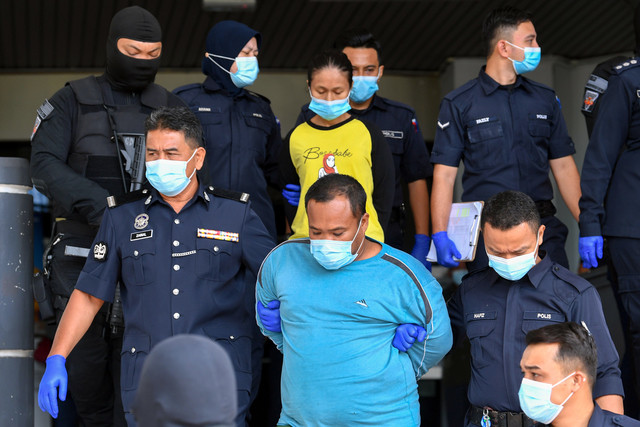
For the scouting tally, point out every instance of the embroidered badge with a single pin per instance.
(218, 235)
(100, 251)
(141, 221)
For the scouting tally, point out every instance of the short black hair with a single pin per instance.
(499, 21)
(180, 119)
(576, 346)
(509, 209)
(330, 58)
(358, 37)
(329, 186)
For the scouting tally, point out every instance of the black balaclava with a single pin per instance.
(226, 38)
(187, 380)
(124, 72)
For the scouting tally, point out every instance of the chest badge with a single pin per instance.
(218, 235)
(100, 251)
(141, 221)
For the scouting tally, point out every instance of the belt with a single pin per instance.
(500, 419)
(545, 208)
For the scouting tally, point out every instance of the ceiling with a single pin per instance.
(417, 36)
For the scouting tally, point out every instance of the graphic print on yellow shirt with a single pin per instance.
(344, 149)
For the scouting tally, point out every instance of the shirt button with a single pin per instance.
(133, 350)
(176, 243)
(216, 249)
(176, 221)
(176, 315)
(135, 253)
(176, 267)
(176, 291)
(232, 337)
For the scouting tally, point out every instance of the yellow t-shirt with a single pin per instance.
(345, 148)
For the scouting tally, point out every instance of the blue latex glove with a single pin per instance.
(421, 249)
(53, 385)
(446, 250)
(407, 334)
(291, 192)
(590, 249)
(270, 315)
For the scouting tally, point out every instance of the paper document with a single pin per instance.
(463, 229)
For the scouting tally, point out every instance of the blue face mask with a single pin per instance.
(334, 254)
(535, 400)
(169, 177)
(514, 268)
(247, 69)
(329, 110)
(531, 59)
(363, 88)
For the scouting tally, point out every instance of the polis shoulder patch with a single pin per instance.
(43, 112)
(100, 251)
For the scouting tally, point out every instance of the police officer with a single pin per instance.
(87, 144)
(523, 289)
(509, 131)
(399, 127)
(181, 252)
(610, 188)
(562, 358)
(241, 133)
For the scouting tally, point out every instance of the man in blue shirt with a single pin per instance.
(521, 290)
(508, 131)
(181, 253)
(345, 311)
(400, 129)
(562, 359)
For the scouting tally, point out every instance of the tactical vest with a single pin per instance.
(93, 152)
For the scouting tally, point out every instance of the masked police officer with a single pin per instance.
(523, 289)
(610, 188)
(509, 131)
(87, 144)
(182, 252)
(400, 129)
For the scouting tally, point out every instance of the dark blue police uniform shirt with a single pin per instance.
(505, 135)
(610, 180)
(602, 418)
(401, 131)
(495, 314)
(242, 139)
(177, 277)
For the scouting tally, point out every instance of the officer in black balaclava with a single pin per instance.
(87, 144)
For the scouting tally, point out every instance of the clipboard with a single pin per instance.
(463, 229)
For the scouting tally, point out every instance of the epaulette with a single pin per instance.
(626, 65)
(186, 87)
(462, 89)
(540, 85)
(573, 279)
(474, 277)
(257, 95)
(114, 201)
(398, 104)
(228, 194)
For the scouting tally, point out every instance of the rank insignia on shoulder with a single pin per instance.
(229, 194)
(218, 235)
(114, 201)
(141, 221)
(100, 251)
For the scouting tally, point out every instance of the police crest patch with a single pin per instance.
(141, 221)
(100, 251)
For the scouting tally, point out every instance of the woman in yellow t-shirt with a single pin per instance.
(333, 141)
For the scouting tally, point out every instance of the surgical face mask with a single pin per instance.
(514, 268)
(535, 400)
(247, 69)
(334, 254)
(169, 177)
(329, 110)
(530, 62)
(363, 88)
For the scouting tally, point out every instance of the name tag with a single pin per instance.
(541, 116)
(478, 315)
(482, 120)
(141, 235)
(204, 109)
(257, 115)
(546, 316)
(395, 134)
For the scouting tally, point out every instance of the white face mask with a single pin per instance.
(535, 400)
(334, 254)
(514, 268)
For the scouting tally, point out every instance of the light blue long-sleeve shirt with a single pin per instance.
(337, 327)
